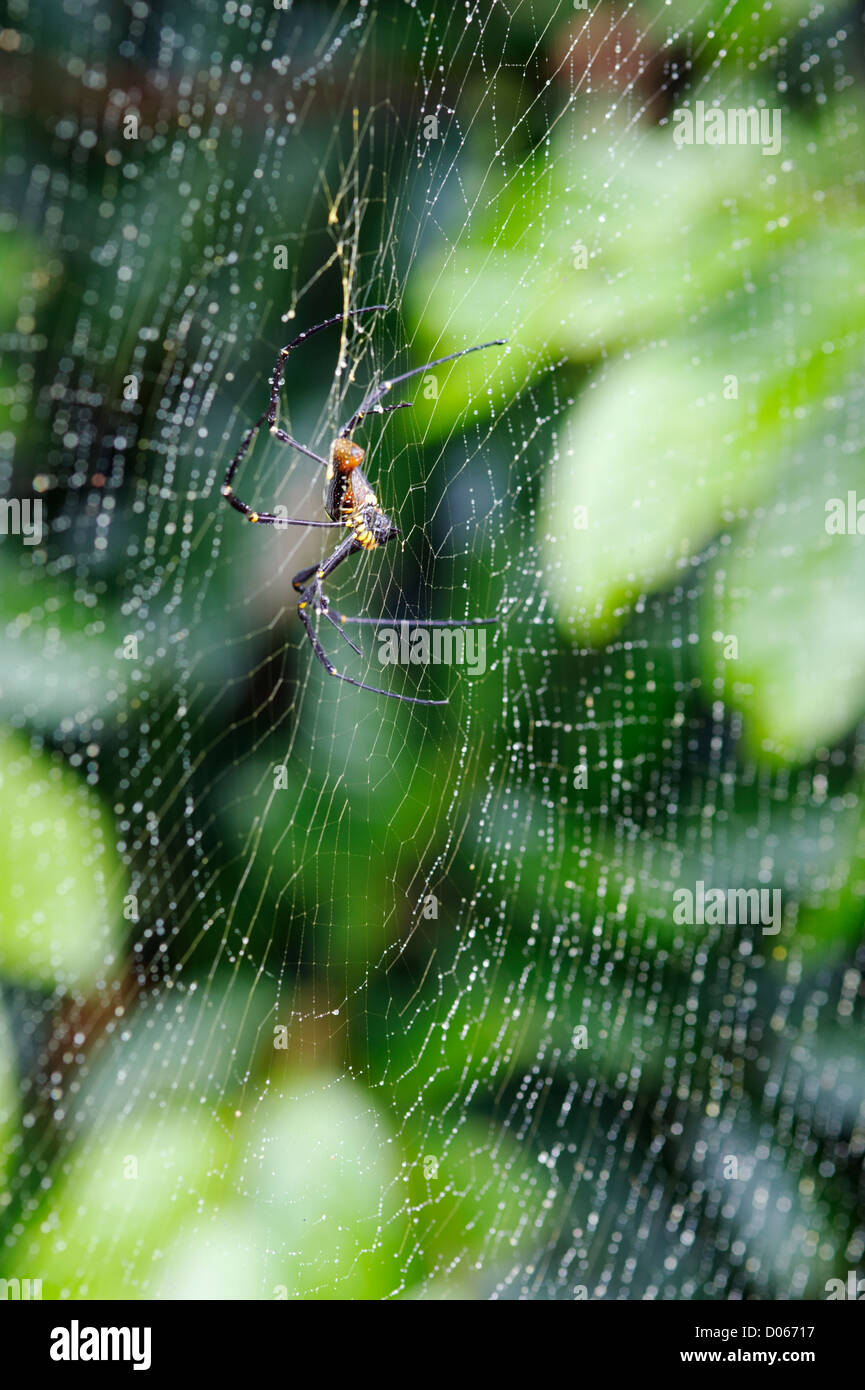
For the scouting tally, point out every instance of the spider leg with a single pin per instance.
(310, 592)
(376, 394)
(324, 610)
(279, 369)
(416, 622)
(264, 518)
(287, 439)
(312, 597)
(299, 581)
(361, 685)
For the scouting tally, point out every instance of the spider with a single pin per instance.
(348, 500)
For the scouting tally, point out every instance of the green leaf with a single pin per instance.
(101, 1234)
(60, 880)
(790, 596)
(9, 1103)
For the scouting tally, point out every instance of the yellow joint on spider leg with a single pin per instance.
(253, 516)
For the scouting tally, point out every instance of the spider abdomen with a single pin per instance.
(345, 487)
(348, 497)
(371, 526)
(364, 535)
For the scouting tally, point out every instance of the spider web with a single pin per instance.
(310, 993)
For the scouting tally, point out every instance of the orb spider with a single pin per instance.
(349, 501)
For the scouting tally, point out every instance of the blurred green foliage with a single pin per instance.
(59, 914)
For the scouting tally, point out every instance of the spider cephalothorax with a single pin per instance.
(349, 501)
